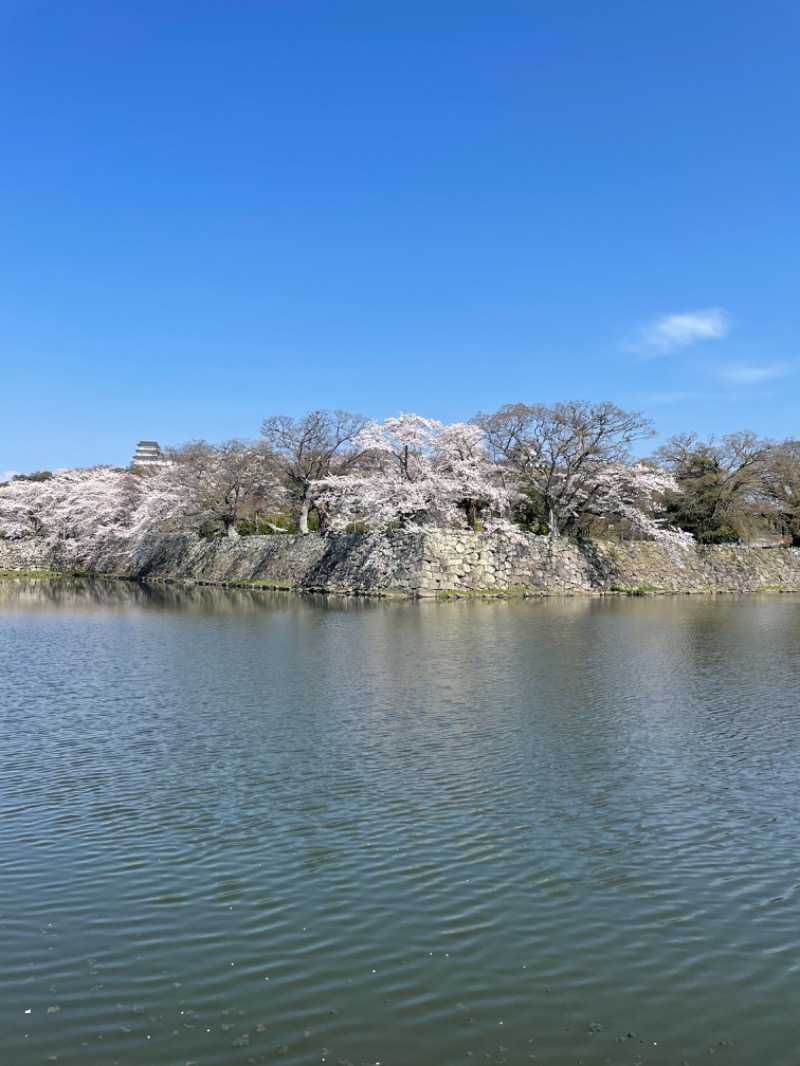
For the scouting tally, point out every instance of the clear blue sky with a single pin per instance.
(217, 210)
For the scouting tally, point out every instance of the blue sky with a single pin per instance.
(211, 212)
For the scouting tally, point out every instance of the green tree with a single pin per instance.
(721, 484)
(781, 487)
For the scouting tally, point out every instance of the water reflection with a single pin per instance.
(99, 592)
(231, 813)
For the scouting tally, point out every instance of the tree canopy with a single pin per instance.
(566, 470)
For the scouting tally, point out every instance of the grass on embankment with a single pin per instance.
(11, 575)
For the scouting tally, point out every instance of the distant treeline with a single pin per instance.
(562, 470)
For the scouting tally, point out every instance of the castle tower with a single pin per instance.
(148, 453)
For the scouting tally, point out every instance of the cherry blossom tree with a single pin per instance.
(73, 504)
(478, 485)
(415, 473)
(90, 503)
(310, 449)
(408, 472)
(635, 495)
(207, 488)
(21, 508)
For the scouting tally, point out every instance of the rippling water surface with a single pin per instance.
(237, 828)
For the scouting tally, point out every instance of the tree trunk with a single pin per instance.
(302, 518)
(323, 514)
(472, 514)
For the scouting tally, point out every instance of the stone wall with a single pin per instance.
(24, 555)
(282, 561)
(423, 564)
(715, 568)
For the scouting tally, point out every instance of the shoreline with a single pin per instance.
(433, 565)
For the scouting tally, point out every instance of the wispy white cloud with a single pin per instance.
(744, 374)
(6, 475)
(671, 332)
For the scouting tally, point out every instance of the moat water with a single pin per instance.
(240, 828)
